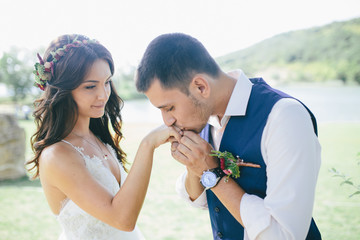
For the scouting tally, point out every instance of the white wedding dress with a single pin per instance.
(77, 224)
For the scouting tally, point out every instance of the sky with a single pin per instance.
(127, 27)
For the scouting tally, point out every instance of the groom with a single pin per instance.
(246, 117)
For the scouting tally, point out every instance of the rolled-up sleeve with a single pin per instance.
(292, 155)
(200, 202)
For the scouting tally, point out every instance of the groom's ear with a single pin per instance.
(200, 85)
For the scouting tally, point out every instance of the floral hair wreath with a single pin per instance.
(45, 70)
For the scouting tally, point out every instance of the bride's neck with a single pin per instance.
(82, 127)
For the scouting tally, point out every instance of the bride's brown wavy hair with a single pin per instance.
(56, 111)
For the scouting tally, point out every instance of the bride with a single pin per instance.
(77, 154)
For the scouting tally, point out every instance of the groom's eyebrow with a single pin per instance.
(162, 106)
(165, 105)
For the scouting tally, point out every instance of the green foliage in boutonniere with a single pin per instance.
(231, 165)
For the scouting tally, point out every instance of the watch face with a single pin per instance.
(208, 179)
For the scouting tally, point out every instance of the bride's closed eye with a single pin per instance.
(90, 87)
(94, 85)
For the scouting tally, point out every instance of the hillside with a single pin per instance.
(330, 52)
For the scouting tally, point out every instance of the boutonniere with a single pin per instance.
(231, 165)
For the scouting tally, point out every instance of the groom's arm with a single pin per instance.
(198, 202)
(230, 195)
(192, 182)
(193, 186)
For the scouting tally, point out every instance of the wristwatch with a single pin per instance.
(211, 177)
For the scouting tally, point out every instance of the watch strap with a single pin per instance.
(219, 172)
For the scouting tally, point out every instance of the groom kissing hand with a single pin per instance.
(236, 116)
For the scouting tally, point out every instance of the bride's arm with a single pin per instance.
(63, 168)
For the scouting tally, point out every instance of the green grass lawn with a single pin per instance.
(24, 213)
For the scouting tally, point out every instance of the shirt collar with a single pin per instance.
(238, 100)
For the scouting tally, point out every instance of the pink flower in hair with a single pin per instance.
(47, 66)
(57, 56)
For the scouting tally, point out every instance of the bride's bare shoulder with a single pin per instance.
(59, 156)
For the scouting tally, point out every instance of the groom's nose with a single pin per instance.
(168, 119)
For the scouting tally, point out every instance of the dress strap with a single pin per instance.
(68, 143)
(78, 149)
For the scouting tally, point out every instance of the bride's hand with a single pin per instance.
(162, 135)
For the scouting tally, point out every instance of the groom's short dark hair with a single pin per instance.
(174, 59)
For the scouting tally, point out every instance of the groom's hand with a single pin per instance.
(193, 152)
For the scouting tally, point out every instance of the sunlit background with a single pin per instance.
(320, 66)
(127, 26)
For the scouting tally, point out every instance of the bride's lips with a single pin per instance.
(99, 106)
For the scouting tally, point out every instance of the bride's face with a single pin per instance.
(93, 93)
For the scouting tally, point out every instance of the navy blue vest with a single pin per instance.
(242, 137)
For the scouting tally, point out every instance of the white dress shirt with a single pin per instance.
(292, 171)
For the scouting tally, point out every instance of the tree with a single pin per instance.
(16, 72)
(125, 84)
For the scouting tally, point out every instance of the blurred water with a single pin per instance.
(138, 111)
(329, 104)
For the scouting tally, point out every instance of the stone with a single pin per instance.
(12, 148)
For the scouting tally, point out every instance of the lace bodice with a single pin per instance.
(78, 224)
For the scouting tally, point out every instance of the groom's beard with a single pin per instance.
(201, 113)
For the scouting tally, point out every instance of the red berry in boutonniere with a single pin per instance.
(222, 163)
(230, 165)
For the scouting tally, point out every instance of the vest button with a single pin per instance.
(217, 209)
(219, 234)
